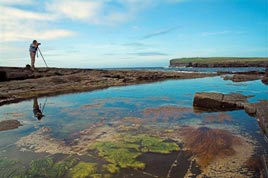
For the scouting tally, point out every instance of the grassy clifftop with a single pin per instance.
(220, 62)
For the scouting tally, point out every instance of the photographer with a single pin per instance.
(33, 51)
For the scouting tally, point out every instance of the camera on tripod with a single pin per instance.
(38, 44)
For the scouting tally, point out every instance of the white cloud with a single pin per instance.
(16, 2)
(19, 25)
(77, 10)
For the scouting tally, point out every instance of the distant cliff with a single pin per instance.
(219, 62)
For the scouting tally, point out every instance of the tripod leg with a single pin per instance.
(42, 56)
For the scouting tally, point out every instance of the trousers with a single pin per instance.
(32, 55)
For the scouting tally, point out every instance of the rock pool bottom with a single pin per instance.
(137, 131)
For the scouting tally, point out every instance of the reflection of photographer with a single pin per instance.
(38, 113)
(33, 51)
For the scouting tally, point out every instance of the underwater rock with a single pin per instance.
(40, 141)
(166, 113)
(9, 125)
(128, 124)
(217, 118)
(218, 101)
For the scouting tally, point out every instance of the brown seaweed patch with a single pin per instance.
(208, 144)
(218, 118)
(166, 112)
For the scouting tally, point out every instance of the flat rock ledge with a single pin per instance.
(17, 84)
(9, 125)
(219, 101)
(206, 101)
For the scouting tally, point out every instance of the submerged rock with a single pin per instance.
(9, 124)
(166, 113)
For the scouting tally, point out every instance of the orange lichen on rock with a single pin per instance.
(166, 112)
(220, 117)
(208, 144)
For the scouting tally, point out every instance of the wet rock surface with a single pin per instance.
(219, 101)
(20, 83)
(243, 77)
(223, 102)
(265, 77)
(9, 125)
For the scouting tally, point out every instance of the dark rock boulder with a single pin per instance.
(262, 115)
(3, 75)
(242, 77)
(218, 101)
(265, 77)
(9, 124)
(225, 102)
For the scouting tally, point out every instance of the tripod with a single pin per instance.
(42, 56)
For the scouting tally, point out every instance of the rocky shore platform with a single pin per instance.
(17, 84)
(208, 101)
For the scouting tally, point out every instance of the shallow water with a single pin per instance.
(75, 122)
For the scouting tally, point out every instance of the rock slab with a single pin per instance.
(9, 125)
(219, 101)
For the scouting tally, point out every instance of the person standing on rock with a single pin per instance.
(33, 49)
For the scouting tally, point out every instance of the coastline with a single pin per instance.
(18, 84)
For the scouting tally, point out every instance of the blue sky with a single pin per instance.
(131, 33)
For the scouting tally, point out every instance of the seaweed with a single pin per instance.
(119, 154)
(85, 170)
(60, 168)
(10, 169)
(152, 144)
(40, 167)
(111, 168)
(124, 152)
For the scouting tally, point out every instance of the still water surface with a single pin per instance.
(136, 119)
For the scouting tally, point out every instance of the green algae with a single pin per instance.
(85, 170)
(60, 168)
(111, 168)
(119, 154)
(10, 169)
(40, 167)
(152, 144)
(123, 153)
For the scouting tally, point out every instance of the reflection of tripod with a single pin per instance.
(41, 55)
